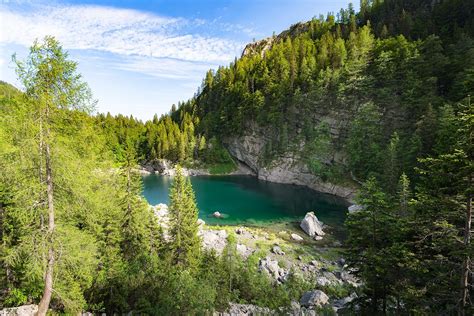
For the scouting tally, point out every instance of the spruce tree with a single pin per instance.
(185, 242)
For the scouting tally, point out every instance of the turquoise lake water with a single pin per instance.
(245, 200)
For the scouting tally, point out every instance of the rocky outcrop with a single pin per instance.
(25, 310)
(273, 269)
(288, 168)
(214, 239)
(311, 225)
(314, 298)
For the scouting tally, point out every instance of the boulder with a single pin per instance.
(341, 303)
(245, 310)
(296, 237)
(200, 222)
(25, 310)
(277, 250)
(323, 281)
(240, 230)
(311, 225)
(318, 237)
(314, 298)
(354, 208)
(214, 239)
(243, 250)
(217, 214)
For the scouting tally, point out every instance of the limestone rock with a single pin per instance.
(243, 250)
(214, 239)
(217, 214)
(314, 298)
(25, 310)
(322, 281)
(290, 168)
(272, 268)
(200, 222)
(354, 208)
(245, 310)
(311, 225)
(277, 250)
(341, 303)
(296, 237)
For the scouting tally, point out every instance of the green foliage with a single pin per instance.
(185, 244)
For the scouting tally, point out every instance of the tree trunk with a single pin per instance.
(467, 262)
(48, 282)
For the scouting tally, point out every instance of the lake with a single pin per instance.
(245, 200)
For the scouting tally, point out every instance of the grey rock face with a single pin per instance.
(311, 225)
(290, 168)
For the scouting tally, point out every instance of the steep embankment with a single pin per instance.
(288, 168)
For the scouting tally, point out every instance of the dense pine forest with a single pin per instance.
(395, 78)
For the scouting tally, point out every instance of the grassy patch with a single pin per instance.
(222, 168)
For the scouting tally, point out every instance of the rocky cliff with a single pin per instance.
(288, 168)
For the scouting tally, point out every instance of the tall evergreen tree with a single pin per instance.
(185, 242)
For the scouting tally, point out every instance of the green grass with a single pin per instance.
(222, 168)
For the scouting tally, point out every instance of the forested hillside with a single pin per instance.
(377, 101)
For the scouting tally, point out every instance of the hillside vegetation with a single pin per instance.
(378, 98)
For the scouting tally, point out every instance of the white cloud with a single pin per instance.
(114, 30)
(167, 68)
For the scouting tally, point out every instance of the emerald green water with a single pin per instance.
(245, 200)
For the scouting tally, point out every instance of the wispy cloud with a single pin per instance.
(114, 30)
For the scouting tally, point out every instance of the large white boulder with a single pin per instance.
(296, 237)
(25, 310)
(214, 239)
(314, 298)
(311, 225)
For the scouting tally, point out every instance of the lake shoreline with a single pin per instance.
(167, 168)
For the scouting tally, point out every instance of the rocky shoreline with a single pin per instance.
(167, 168)
(306, 250)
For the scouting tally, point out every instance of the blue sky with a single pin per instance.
(139, 57)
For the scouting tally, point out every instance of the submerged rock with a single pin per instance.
(311, 225)
(314, 298)
(217, 214)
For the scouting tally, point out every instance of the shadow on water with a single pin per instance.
(245, 200)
